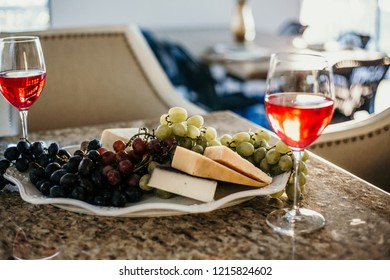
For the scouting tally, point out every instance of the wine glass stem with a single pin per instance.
(297, 155)
(23, 117)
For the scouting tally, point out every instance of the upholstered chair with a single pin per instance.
(98, 75)
(362, 147)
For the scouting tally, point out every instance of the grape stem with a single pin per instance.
(145, 161)
(143, 131)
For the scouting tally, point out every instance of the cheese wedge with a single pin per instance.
(198, 165)
(109, 136)
(168, 179)
(231, 159)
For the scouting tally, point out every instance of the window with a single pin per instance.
(24, 15)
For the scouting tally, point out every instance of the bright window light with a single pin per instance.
(328, 19)
(24, 15)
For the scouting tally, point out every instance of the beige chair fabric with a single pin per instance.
(361, 147)
(99, 75)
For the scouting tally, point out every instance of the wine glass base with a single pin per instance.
(292, 222)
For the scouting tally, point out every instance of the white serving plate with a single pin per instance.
(150, 206)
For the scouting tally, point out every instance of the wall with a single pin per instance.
(169, 14)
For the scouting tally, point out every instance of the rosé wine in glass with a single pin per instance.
(22, 88)
(22, 73)
(298, 123)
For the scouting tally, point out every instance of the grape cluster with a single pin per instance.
(92, 174)
(191, 133)
(24, 155)
(271, 159)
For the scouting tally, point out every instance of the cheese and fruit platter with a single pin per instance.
(182, 166)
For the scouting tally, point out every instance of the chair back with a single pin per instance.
(360, 147)
(99, 75)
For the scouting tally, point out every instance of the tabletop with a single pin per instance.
(357, 215)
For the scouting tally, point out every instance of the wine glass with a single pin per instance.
(22, 73)
(299, 104)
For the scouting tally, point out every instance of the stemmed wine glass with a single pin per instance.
(299, 104)
(22, 73)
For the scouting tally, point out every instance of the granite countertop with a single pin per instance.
(357, 214)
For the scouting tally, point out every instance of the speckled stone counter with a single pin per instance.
(357, 214)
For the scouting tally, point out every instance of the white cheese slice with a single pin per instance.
(174, 181)
(230, 158)
(109, 136)
(198, 165)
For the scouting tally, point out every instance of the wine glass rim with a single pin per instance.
(289, 56)
(18, 39)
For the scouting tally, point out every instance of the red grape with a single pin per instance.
(139, 146)
(105, 169)
(119, 145)
(108, 157)
(113, 177)
(125, 166)
(170, 141)
(101, 150)
(134, 158)
(121, 155)
(154, 146)
(133, 181)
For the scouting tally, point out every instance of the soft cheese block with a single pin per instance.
(230, 158)
(201, 166)
(109, 136)
(168, 179)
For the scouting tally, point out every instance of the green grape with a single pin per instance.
(226, 139)
(186, 142)
(251, 160)
(152, 165)
(202, 142)
(302, 179)
(272, 156)
(163, 131)
(252, 136)
(278, 194)
(241, 137)
(197, 149)
(215, 142)
(163, 119)
(290, 192)
(179, 129)
(302, 187)
(192, 131)
(143, 183)
(282, 148)
(264, 166)
(285, 163)
(276, 170)
(276, 202)
(245, 149)
(262, 143)
(177, 114)
(302, 167)
(210, 133)
(162, 194)
(305, 156)
(259, 154)
(196, 120)
(291, 179)
(262, 134)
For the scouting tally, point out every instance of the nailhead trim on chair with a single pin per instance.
(352, 139)
(106, 34)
